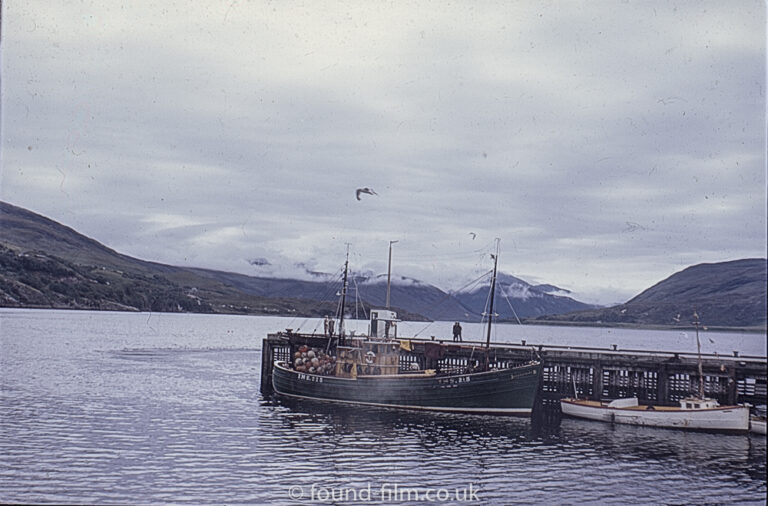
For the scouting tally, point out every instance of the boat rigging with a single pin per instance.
(378, 369)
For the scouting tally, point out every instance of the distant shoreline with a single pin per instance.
(641, 326)
(552, 323)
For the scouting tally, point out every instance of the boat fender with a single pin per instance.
(367, 370)
(377, 370)
(370, 357)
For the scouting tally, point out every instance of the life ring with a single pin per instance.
(370, 357)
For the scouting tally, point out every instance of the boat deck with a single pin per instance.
(640, 407)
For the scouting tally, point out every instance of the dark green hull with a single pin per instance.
(504, 391)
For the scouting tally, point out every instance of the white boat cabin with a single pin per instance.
(698, 403)
(383, 324)
(689, 403)
(629, 402)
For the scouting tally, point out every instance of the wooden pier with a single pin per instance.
(655, 377)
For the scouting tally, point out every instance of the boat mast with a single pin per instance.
(389, 269)
(698, 347)
(490, 312)
(343, 300)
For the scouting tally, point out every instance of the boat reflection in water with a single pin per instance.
(757, 424)
(572, 462)
(705, 452)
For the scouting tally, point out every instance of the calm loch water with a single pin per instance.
(147, 408)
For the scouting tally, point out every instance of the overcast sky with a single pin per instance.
(608, 144)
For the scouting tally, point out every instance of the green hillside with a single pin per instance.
(727, 294)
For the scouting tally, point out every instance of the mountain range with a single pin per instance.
(45, 264)
(728, 294)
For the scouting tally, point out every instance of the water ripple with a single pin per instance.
(183, 422)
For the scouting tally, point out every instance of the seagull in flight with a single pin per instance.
(367, 190)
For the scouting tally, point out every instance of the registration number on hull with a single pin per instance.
(309, 377)
(453, 382)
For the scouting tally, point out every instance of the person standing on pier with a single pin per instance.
(457, 331)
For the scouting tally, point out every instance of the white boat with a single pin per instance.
(693, 413)
(757, 425)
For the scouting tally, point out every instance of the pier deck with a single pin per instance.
(655, 377)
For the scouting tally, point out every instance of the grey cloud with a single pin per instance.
(222, 134)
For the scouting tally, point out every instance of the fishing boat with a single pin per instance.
(368, 370)
(694, 413)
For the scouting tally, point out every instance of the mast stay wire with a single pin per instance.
(486, 309)
(450, 294)
(358, 298)
(323, 292)
(361, 295)
(510, 307)
(331, 291)
(325, 295)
